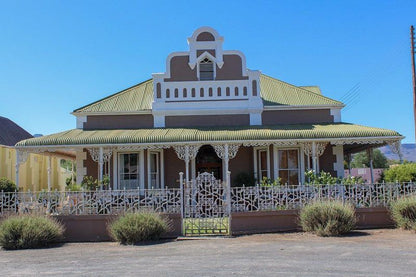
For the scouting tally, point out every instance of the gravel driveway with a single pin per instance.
(366, 253)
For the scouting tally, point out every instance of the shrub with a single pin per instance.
(7, 186)
(328, 218)
(73, 187)
(403, 212)
(132, 228)
(89, 183)
(244, 179)
(401, 173)
(29, 231)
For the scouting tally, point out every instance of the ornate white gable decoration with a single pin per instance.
(196, 44)
(206, 80)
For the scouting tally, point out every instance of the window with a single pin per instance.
(261, 163)
(288, 166)
(206, 70)
(155, 177)
(129, 169)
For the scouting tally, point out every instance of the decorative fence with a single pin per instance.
(243, 199)
(90, 202)
(258, 198)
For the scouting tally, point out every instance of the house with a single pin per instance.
(209, 113)
(35, 172)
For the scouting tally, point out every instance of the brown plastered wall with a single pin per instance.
(207, 120)
(103, 122)
(280, 221)
(243, 162)
(89, 228)
(297, 116)
(92, 167)
(231, 70)
(205, 36)
(327, 160)
(180, 70)
(173, 165)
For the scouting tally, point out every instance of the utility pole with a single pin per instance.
(412, 39)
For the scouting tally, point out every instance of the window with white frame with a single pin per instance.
(129, 171)
(261, 163)
(155, 174)
(288, 166)
(206, 70)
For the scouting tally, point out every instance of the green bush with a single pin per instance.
(29, 231)
(244, 179)
(7, 186)
(132, 228)
(401, 173)
(403, 212)
(328, 218)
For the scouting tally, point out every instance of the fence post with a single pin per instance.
(229, 201)
(182, 203)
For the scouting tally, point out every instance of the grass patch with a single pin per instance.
(403, 212)
(133, 228)
(29, 231)
(206, 226)
(328, 218)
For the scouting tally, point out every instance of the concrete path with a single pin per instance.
(365, 253)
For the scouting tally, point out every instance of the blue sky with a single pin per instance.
(56, 56)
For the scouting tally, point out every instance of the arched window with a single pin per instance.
(206, 70)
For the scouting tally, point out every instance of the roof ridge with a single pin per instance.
(112, 95)
(302, 89)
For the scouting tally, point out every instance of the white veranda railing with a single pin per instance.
(168, 200)
(262, 198)
(90, 202)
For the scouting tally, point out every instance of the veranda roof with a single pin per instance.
(299, 132)
(274, 92)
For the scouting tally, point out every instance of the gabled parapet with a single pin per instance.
(206, 80)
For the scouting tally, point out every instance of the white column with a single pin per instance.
(49, 172)
(338, 151)
(226, 158)
(100, 167)
(187, 163)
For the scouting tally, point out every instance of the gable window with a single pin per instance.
(206, 70)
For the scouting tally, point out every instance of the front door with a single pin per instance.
(208, 161)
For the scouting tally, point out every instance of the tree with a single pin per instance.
(401, 173)
(360, 159)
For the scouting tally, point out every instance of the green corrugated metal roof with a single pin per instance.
(133, 99)
(248, 133)
(274, 92)
(314, 89)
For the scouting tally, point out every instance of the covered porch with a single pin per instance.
(153, 158)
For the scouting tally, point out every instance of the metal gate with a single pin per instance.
(206, 207)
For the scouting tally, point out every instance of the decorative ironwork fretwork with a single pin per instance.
(205, 206)
(95, 154)
(395, 146)
(187, 152)
(22, 156)
(220, 150)
(319, 148)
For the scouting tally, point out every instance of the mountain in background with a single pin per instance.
(408, 151)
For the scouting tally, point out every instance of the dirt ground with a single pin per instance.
(384, 252)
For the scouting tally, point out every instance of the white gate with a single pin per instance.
(206, 206)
